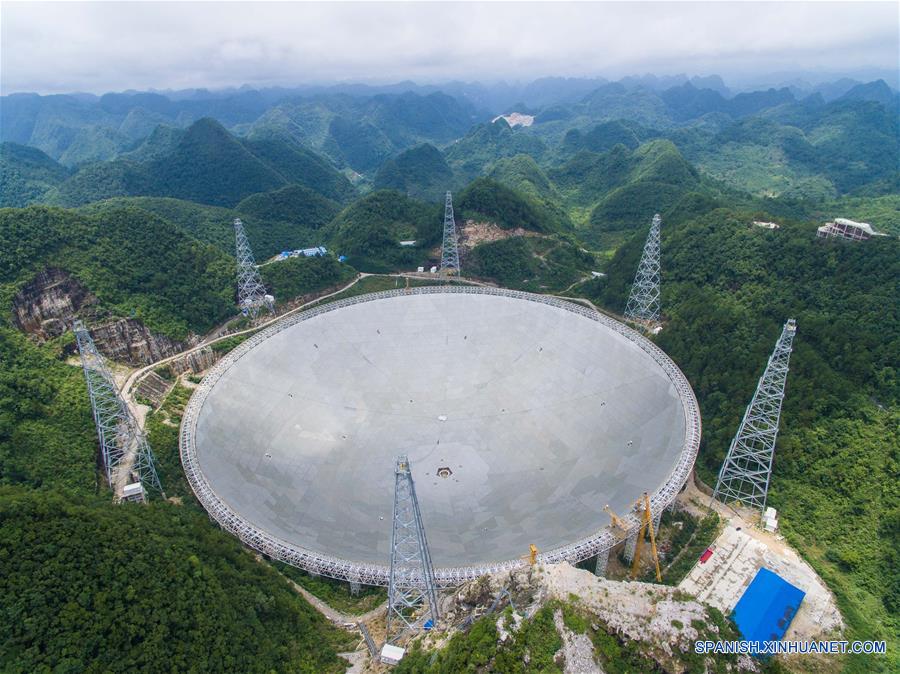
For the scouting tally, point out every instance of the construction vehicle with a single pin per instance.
(646, 523)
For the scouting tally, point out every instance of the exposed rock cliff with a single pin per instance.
(48, 305)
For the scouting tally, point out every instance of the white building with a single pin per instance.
(843, 228)
(391, 655)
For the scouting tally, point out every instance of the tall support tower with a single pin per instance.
(643, 301)
(745, 474)
(450, 247)
(127, 458)
(251, 291)
(411, 583)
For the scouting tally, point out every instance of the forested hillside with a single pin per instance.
(369, 232)
(727, 289)
(27, 175)
(133, 195)
(420, 172)
(207, 165)
(135, 263)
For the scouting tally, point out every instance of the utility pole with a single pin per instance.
(450, 245)
(127, 458)
(251, 291)
(411, 583)
(643, 301)
(747, 468)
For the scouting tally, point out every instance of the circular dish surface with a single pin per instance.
(521, 417)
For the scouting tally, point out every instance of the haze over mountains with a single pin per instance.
(362, 131)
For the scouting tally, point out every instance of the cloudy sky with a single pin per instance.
(98, 47)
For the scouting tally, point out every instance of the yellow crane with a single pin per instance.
(617, 522)
(532, 554)
(646, 523)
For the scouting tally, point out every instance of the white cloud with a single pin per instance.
(98, 47)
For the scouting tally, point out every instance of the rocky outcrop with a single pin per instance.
(196, 361)
(128, 340)
(49, 304)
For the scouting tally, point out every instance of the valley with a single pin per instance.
(117, 210)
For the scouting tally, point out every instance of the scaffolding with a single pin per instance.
(747, 469)
(411, 585)
(252, 294)
(124, 450)
(643, 301)
(450, 245)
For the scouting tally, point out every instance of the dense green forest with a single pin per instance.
(486, 199)
(727, 289)
(91, 587)
(88, 586)
(135, 263)
(134, 195)
(369, 231)
(420, 172)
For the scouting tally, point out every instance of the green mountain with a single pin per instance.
(205, 164)
(369, 231)
(293, 204)
(604, 137)
(486, 199)
(211, 166)
(27, 175)
(658, 177)
(420, 172)
(486, 143)
(523, 174)
(588, 176)
(362, 132)
(102, 180)
(135, 263)
(95, 143)
(727, 289)
(296, 164)
(531, 263)
(161, 141)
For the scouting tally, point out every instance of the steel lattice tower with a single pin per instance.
(251, 291)
(126, 455)
(643, 301)
(411, 582)
(450, 245)
(747, 468)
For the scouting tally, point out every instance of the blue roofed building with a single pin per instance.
(765, 610)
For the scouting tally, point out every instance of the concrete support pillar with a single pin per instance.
(354, 588)
(602, 562)
(631, 545)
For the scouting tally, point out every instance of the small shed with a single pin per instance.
(391, 655)
(765, 610)
(133, 492)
